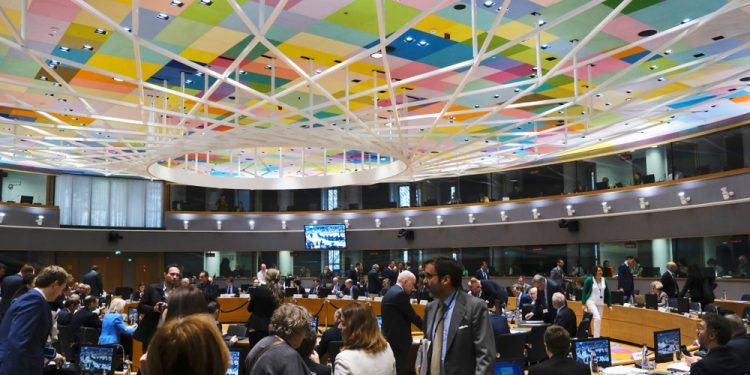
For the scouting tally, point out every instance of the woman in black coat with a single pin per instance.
(263, 302)
(698, 287)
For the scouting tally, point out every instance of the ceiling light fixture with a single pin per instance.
(64, 49)
(376, 55)
(346, 223)
(100, 31)
(439, 220)
(489, 3)
(407, 221)
(503, 216)
(472, 219)
(177, 3)
(409, 39)
(606, 207)
(185, 224)
(684, 199)
(570, 210)
(162, 16)
(218, 224)
(423, 43)
(535, 213)
(207, 2)
(39, 220)
(378, 223)
(88, 47)
(283, 224)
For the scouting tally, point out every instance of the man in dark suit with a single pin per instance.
(625, 277)
(354, 273)
(326, 276)
(557, 274)
(206, 285)
(521, 297)
(565, 317)
(315, 289)
(458, 333)
(557, 345)
(70, 306)
(11, 284)
(330, 335)
(230, 288)
(398, 316)
(714, 332)
(739, 344)
(373, 278)
(668, 280)
(488, 291)
(546, 288)
(154, 302)
(25, 327)
(86, 317)
(94, 280)
(483, 273)
(350, 289)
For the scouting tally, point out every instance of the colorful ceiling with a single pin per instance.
(335, 92)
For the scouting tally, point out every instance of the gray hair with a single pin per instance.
(738, 326)
(375, 266)
(289, 320)
(404, 276)
(558, 299)
(538, 279)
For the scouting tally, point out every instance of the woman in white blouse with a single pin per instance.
(365, 350)
(595, 296)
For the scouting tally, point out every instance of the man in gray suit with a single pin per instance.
(456, 325)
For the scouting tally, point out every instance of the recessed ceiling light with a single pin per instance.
(43, 78)
(207, 2)
(49, 94)
(717, 38)
(699, 54)
(517, 89)
(489, 3)
(661, 79)
(544, 46)
(88, 47)
(646, 33)
(100, 31)
(376, 55)
(422, 43)
(127, 29)
(685, 20)
(62, 100)
(56, 84)
(199, 74)
(653, 67)
(459, 6)
(188, 81)
(242, 72)
(628, 91)
(162, 16)
(496, 96)
(541, 22)
(64, 49)
(177, 3)
(117, 79)
(269, 67)
(409, 39)
(668, 52)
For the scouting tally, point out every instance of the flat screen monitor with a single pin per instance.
(584, 349)
(133, 315)
(28, 199)
(665, 343)
(695, 307)
(289, 292)
(507, 368)
(324, 292)
(314, 323)
(616, 297)
(380, 321)
(234, 367)
(96, 360)
(325, 236)
(683, 305)
(652, 302)
(649, 179)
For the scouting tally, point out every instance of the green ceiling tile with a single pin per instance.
(211, 15)
(634, 5)
(182, 32)
(496, 41)
(117, 45)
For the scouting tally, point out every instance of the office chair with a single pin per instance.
(512, 347)
(584, 328)
(65, 339)
(535, 344)
(89, 336)
(745, 297)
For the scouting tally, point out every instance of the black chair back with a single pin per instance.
(512, 347)
(584, 328)
(65, 339)
(89, 336)
(334, 347)
(535, 340)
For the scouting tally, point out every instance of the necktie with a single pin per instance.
(437, 343)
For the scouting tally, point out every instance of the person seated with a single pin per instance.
(565, 317)
(310, 356)
(70, 306)
(113, 325)
(739, 344)
(499, 322)
(521, 297)
(86, 317)
(661, 297)
(276, 353)
(714, 332)
(330, 335)
(230, 288)
(537, 313)
(138, 292)
(365, 350)
(386, 287)
(557, 345)
(187, 345)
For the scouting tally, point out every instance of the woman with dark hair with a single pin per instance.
(594, 296)
(365, 350)
(698, 287)
(266, 299)
(185, 301)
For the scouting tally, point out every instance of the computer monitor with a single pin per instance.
(683, 305)
(616, 297)
(695, 307)
(583, 349)
(649, 179)
(652, 301)
(579, 295)
(380, 321)
(234, 367)
(96, 360)
(507, 368)
(665, 343)
(290, 292)
(314, 323)
(133, 315)
(28, 199)
(650, 271)
(324, 292)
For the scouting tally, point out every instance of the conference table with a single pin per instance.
(737, 306)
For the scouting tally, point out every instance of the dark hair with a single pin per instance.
(202, 272)
(445, 266)
(629, 257)
(596, 268)
(694, 270)
(89, 300)
(168, 266)
(50, 275)
(308, 343)
(557, 340)
(720, 326)
(184, 301)
(3, 267)
(188, 346)
(213, 307)
(71, 302)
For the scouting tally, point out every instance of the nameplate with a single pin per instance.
(347, 297)
(296, 296)
(331, 296)
(414, 301)
(362, 298)
(245, 295)
(312, 296)
(423, 302)
(226, 295)
(378, 299)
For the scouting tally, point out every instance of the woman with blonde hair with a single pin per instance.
(113, 325)
(188, 346)
(661, 296)
(365, 350)
(263, 302)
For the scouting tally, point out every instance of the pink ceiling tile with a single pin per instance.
(501, 77)
(43, 30)
(419, 4)
(626, 28)
(317, 9)
(58, 9)
(412, 69)
(515, 113)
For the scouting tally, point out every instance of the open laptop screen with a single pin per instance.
(96, 360)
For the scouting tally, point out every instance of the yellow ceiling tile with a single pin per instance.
(331, 46)
(199, 55)
(207, 42)
(667, 89)
(512, 30)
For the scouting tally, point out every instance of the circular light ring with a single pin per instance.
(363, 177)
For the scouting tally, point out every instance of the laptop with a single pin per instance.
(234, 367)
(652, 302)
(616, 297)
(507, 368)
(96, 360)
(584, 349)
(133, 315)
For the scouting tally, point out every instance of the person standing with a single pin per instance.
(625, 277)
(11, 284)
(669, 280)
(446, 352)
(154, 302)
(546, 288)
(483, 272)
(557, 274)
(326, 277)
(373, 278)
(398, 316)
(595, 295)
(565, 317)
(94, 279)
(365, 350)
(26, 325)
(266, 299)
(262, 274)
(206, 285)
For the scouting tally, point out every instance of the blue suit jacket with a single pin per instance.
(23, 335)
(112, 326)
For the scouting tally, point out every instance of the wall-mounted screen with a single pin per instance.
(325, 236)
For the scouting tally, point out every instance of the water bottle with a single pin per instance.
(644, 357)
(593, 363)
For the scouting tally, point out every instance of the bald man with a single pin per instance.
(398, 316)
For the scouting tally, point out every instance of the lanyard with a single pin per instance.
(448, 306)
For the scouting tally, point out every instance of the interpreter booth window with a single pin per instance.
(109, 202)
(404, 196)
(334, 260)
(307, 263)
(330, 199)
(26, 188)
